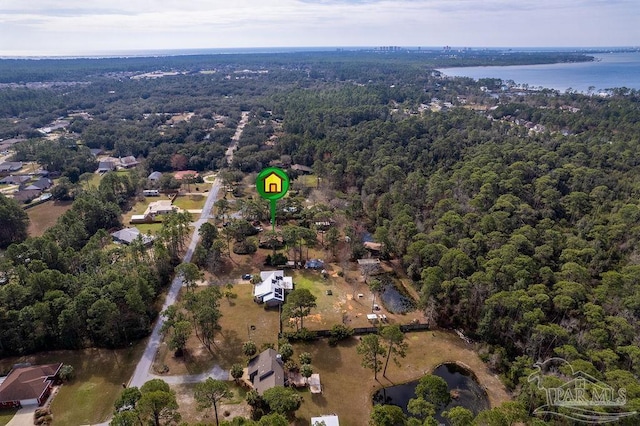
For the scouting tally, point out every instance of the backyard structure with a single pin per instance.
(329, 420)
(28, 385)
(273, 288)
(265, 371)
(314, 383)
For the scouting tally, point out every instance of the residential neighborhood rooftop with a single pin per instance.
(266, 371)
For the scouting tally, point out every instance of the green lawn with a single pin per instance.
(348, 387)
(309, 181)
(99, 374)
(6, 415)
(94, 181)
(328, 310)
(90, 396)
(190, 202)
(148, 228)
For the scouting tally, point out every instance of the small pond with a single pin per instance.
(394, 300)
(470, 394)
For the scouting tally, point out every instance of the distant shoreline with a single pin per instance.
(319, 49)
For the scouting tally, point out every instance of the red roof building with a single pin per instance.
(184, 173)
(29, 385)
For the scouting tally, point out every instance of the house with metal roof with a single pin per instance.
(273, 288)
(129, 235)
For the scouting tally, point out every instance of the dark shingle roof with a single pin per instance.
(265, 371)
(27, 382)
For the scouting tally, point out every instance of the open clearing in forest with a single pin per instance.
(347, 386)
(45, 215)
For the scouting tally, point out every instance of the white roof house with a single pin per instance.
(272, 288)
(330, 420)
(129, 235)
(160, 207)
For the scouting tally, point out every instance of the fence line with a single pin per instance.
(358, 331)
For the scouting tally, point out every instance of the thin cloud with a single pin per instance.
(67, 26)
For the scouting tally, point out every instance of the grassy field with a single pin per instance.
(190, 202)
(348, 387)
(45, 215)
(238, 315)
(94, 181)
(236, 406)
(89, 398)
(307, 181)
(6, 415)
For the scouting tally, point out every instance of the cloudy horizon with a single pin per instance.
(88, 27)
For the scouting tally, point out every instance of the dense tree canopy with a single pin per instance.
(13, 222)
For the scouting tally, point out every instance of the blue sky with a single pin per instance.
(77, 27)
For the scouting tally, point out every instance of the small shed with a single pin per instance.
(314, 383)
(314, 264)
(327, 420)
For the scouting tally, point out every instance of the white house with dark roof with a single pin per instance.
(273, 288)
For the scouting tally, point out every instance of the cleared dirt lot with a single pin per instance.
(45, 215)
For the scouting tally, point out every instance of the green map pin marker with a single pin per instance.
(272, 184)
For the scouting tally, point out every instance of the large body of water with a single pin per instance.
(610, 70)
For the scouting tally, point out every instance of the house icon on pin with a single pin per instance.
(272, 184)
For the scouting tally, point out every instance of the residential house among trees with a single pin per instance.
(129, 235)
(10, 166)
(41, 184)
(25, 196)
(14, 180)
(128, 162)
(28, 385)
(155, 208)
(154, 176)
(265, 371)
(273, 288)
(106, 166)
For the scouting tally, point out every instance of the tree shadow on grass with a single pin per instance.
(228, 349)
(319, 399)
